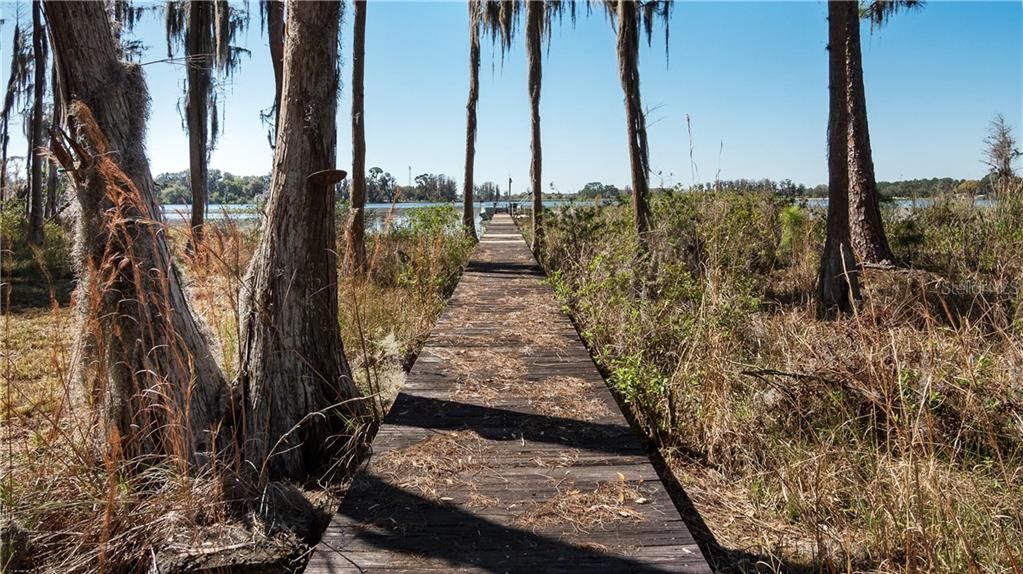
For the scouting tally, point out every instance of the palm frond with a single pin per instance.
(19, 82)
(174, 23)
(125, 14)
(228, 23)
(498, 19)
(555, 9)
(649, 12)
(223, 24)
(264, 14)
(878, 11)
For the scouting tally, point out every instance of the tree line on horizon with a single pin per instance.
(381, 187)
(910, 188)
(225, 188)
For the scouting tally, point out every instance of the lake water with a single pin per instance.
(376, 213)
(181, 211)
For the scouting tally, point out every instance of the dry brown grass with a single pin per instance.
(478, 362)
(483, 376)
(611, 502)
(567, 397)
(35, 352)
(526, 318)
(486, 391)
(436, 463)
(563, 458)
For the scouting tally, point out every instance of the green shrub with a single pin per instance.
(794, 222)
(53, 260)
(57, 250)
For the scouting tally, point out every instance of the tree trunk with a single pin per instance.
(198, 53)
(275, 32)
(35, 212)
(865, 225)
(837, 284)
(534, 22)
(468, 215)
(356, 240)
(50, 209)
(628, 71)
(51, 171)
(25, 192)
(292, 363)
(144, 359)
(4, 140)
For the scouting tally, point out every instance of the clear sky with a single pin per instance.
(752, 77)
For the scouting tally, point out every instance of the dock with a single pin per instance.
(504, 450)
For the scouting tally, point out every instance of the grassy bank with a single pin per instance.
(888, 441)
(78, 512)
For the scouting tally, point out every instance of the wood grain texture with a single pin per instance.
(505, 452)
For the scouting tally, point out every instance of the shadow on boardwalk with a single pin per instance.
(519, 550)
(505, 425)
(505, 268)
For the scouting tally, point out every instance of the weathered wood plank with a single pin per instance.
(505, 451)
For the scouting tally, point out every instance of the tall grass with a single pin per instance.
(888, 441)
(71, 507)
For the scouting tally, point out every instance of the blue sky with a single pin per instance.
(752, 77)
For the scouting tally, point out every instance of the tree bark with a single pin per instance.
(199, 55)
(292, 362)
(867, 235)
(275, 31)
(5, 136)
(468, 215)
(628, 71)
(35, 212)
(837, 284)
(55, 123)
(356, 241)
(534, 53)
(4, 140)
(25, 192)
(144, 359)
(50, 209)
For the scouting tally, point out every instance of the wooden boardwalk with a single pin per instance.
(505, 452)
